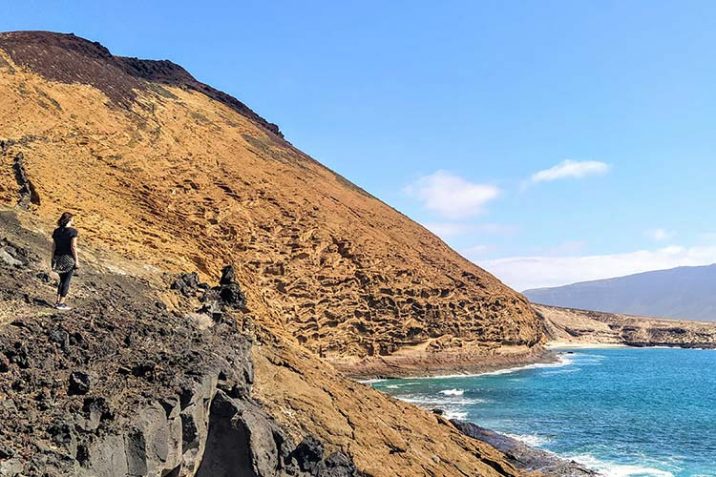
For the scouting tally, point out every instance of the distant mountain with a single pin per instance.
(683, 292)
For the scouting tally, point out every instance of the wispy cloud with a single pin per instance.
(659, 235)
(452, 196)
(523, 273)
(570, 170)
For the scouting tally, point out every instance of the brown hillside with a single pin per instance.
(164, 169)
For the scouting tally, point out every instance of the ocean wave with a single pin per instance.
(427, 401)
(562, 360)
(611, 469)
(452, 392)
(530, 439)
(454, 414)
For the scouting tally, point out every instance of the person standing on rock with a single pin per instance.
(64, 257)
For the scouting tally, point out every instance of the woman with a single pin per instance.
(64, 257)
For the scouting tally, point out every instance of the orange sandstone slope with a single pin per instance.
(169, 171)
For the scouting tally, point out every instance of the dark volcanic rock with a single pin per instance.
(79, 383)
(523, 456)
(186, 283)
(308, 454)
(71, 59)
(228, 295)
(120, 387)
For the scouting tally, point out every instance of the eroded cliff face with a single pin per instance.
(572, 326)
(164, 169)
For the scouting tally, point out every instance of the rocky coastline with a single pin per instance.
(569, 327)
(526, 457)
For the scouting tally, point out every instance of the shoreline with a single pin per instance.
(451, 363)
(557, 362)
(523, 456)
(567, 345)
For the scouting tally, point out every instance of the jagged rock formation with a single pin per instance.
(163, 169)
(572, 326)
(524, 456)
(123, 386)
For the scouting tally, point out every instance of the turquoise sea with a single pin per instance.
(623, 411)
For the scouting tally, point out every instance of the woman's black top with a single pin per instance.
(63, 240)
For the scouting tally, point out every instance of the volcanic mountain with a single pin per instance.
(166, 170)
(168, 176)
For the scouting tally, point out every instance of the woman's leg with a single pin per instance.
(64, 287)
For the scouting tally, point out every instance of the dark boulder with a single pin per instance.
(79, 383)
(338, 464)
(186, 283)
(228, 275)
(308, 454)
(227, 295)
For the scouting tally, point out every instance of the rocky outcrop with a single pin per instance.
(572, 326)
(28, 194)
(123, 386)
(524, 456)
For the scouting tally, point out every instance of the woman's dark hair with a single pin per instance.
(64, 219)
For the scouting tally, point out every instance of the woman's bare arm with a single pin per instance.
(74, 252)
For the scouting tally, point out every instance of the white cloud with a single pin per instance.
(522, 273)
(659, 235)
(451, 196)
(570, 170)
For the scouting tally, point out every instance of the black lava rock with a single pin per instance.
(187, 283)
(79, 383)
(338, 465)
(228, 275)
(308, 454)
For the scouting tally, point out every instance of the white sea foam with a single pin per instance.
(454, 414)
(371, 381)
(530, 439)
(433, 401)
(562, 360)
(611, 469)
(392, 386)
(452, 392)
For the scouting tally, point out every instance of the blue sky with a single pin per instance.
(548, 141)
